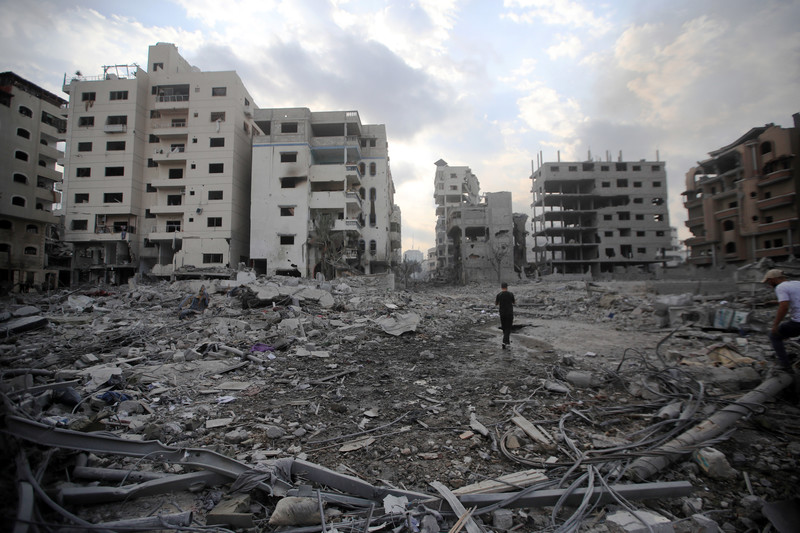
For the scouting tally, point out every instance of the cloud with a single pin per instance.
(555, 13)
(568, 46)
(544, 109)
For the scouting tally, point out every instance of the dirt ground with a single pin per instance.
(414, 395)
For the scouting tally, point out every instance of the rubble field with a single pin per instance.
(299, 405)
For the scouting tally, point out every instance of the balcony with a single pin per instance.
(775, 177)
(174, 128)
(353, 176)
(789, 223)
(778, 201)
(166, 232)
(349, 224)
(168, 209)
(726, 213)
(172, 183)
(172, 101)
(327, 200)
(167, 154)
(772, 252)
(49, 173)
(50, 152)
(695, 241)
(692, 222)
(115, 128)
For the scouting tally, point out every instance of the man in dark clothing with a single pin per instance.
(505, 300)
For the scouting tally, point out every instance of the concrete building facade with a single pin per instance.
(323, 195)
(596, 217)
(31, 126)
(742, 202)
(454, 187)
(157, 168)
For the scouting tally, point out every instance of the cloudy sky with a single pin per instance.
(487, 84)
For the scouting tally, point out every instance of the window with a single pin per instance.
(287, 239)
(572, 168)
(20, 178)
(25, 111)
(622, 183)
(289, 127)
(638, 200)
(85, 147)
(658, 218)
(637, 184)
(656, 168)
(624, 215)
(152, 139)
(219, 91)
(85, 122)
(212, 258)
(218, 116)
(641, 250)
(214, 222)
(372, 143)
(22, 132)
(88, 97)
(83, 172)
(727, 225)
(730, 248)
(115, 171)
(6, 224)
(216, 142)
(151, 163)
(112, 198)
(659, 234)
(621, 167)
(117, 120)
(778, 243)
(289, 183)
(607, 217)
(216, 168)
(605, 184)
(174, 199)
(554, 169)
(640, 234)
(604, 168)
(625, 232)
(639, 217)
(637, 168)
(173, 226)
(112, 146)
(22, 156)
(608, 233)
(660, 201)
(175, 173)
(362, 168)
(148, 214)
(81, 197)
(372, 169)
(287, 211)
(118, 95)
(18, 201)
(215, 195)
(158, 66)
(30, 250)
(288, 157)
(373, 247)
(656, 184)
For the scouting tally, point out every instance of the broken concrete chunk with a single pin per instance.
(233, 511)
(714, 463)
(399, 324)
(295, 511)
(642, 522)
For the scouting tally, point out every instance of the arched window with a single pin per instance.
(362, 168)
(19, 201)
(22, 156)
(6, 224)
(32, 228)
(30, 250)
(363, 193)
(373, 247)
(22, 132)
(25, 111)
(372, 169)
(727, 225)
(20, 178)
(372, 194)
(730, 248)
(362, 246)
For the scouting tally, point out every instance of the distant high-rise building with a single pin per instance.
(742, 202)
(157, 168)
(31, 126)
(323, 195)
(598, 216)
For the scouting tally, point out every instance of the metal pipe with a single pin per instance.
(717, 424)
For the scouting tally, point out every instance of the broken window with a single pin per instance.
(32, 228)
(637, 168)
(623, 215)
(20, 178)
(659, 234)
(215, 195)
(218, 116)
(30, 250)
(641, 250)
(362, 168)
(640, 234)
(626, 250)
(85, 122)
(112, 198)
(115, 171)
(83, 172)
(219, 91)
(115, 145)
(174, 199)
(607, 217)
(730, 248)
(778, 243)
(622, 182)
(640, 217)
(656, 168)
(216, 168)
(212, 258)
(85, 147)
(287, 239)
(288, 183)
(608, 233)
(117, 120)
(173, 226)
(216, 142)
(287, 211)
(610, 252)
(624, 232)
(175, 173)
(25, 111)
(657, 201)
(79, 225)
(214, 222)
(372, 169)
(81, 198)
(604, 168)
(373, 247)
(158, 66)
(605, 184)
(152, 139)
(658, 218)
(88, 97)
(658, 184)
(727, 225)
(289, 127)
(637, 184)
(554, 168)
(288, 157)
(638, 200)
(621, 167)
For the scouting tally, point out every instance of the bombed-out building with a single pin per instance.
(599, 217)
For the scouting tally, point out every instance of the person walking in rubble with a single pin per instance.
(788, 293)
(194, 304)
(505, 301)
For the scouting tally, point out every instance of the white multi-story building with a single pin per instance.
(322, 194)
(454, 187)
(31, 125)
(157, 168)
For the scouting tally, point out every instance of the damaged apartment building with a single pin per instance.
(323, 195)
(742, 204)
(597, 217)
(157, 169)
(475, 234)
(32, 126)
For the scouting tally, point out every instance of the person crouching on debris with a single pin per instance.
(788, 293)
(505, 300)
(194, 304)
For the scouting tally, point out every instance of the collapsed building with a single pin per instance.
(476, 239)
(742, 202)
(30, 251)
(323, 195)
(599, 217)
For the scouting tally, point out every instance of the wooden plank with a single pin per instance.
(470, 524)
(532, 431)
(507, 483)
